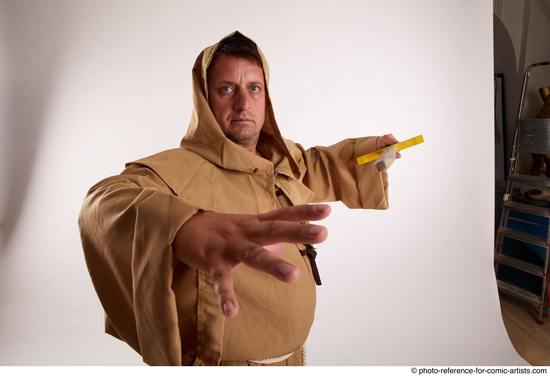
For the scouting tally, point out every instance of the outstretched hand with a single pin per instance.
(217, 243)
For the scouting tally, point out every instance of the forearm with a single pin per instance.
(333, 174)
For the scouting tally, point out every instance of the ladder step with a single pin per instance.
(519, 264)
(531, 209)
(518, 292)
(542, 181)
(521, 236)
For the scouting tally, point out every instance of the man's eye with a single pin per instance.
(255, 89)
(226, 89)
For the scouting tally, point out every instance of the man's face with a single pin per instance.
(236, 91)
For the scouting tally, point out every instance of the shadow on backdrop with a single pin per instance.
(32, 29)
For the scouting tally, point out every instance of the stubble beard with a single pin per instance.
(245, 136)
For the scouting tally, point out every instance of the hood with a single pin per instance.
(206, 138)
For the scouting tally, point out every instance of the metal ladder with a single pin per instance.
(525, 139)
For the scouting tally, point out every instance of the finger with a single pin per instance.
(269, 232)
(298, 213)
(398, 155)
(223, 287)
(388, 139)
(275, 249)
(392, 140)
(382, 143)
(259, 258)
(379, 142)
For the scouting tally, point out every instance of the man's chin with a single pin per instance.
(244, 138)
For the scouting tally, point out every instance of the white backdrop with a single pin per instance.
(96, 84)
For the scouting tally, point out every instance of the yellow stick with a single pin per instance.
(366, 158)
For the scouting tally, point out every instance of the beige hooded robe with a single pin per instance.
(167, 311)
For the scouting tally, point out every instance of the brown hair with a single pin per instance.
(237, 45)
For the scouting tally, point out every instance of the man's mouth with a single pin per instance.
(241, 120)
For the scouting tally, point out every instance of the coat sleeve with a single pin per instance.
(127, 225)
(333, 174)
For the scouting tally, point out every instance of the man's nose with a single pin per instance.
(242, 101)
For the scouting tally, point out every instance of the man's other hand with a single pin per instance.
(217, 243)
(386, 140)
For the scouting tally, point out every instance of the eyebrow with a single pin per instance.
(234, 83)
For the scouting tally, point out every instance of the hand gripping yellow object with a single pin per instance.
(366, 158)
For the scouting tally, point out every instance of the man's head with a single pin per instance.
(236, 90)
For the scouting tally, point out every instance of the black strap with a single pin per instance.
(309, 251)
(311, 254)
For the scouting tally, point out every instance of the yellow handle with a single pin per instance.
(366, 158)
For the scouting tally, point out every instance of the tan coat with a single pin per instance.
(167, 311)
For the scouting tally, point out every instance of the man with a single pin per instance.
(201, 254)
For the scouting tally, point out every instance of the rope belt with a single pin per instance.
(273, 360)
